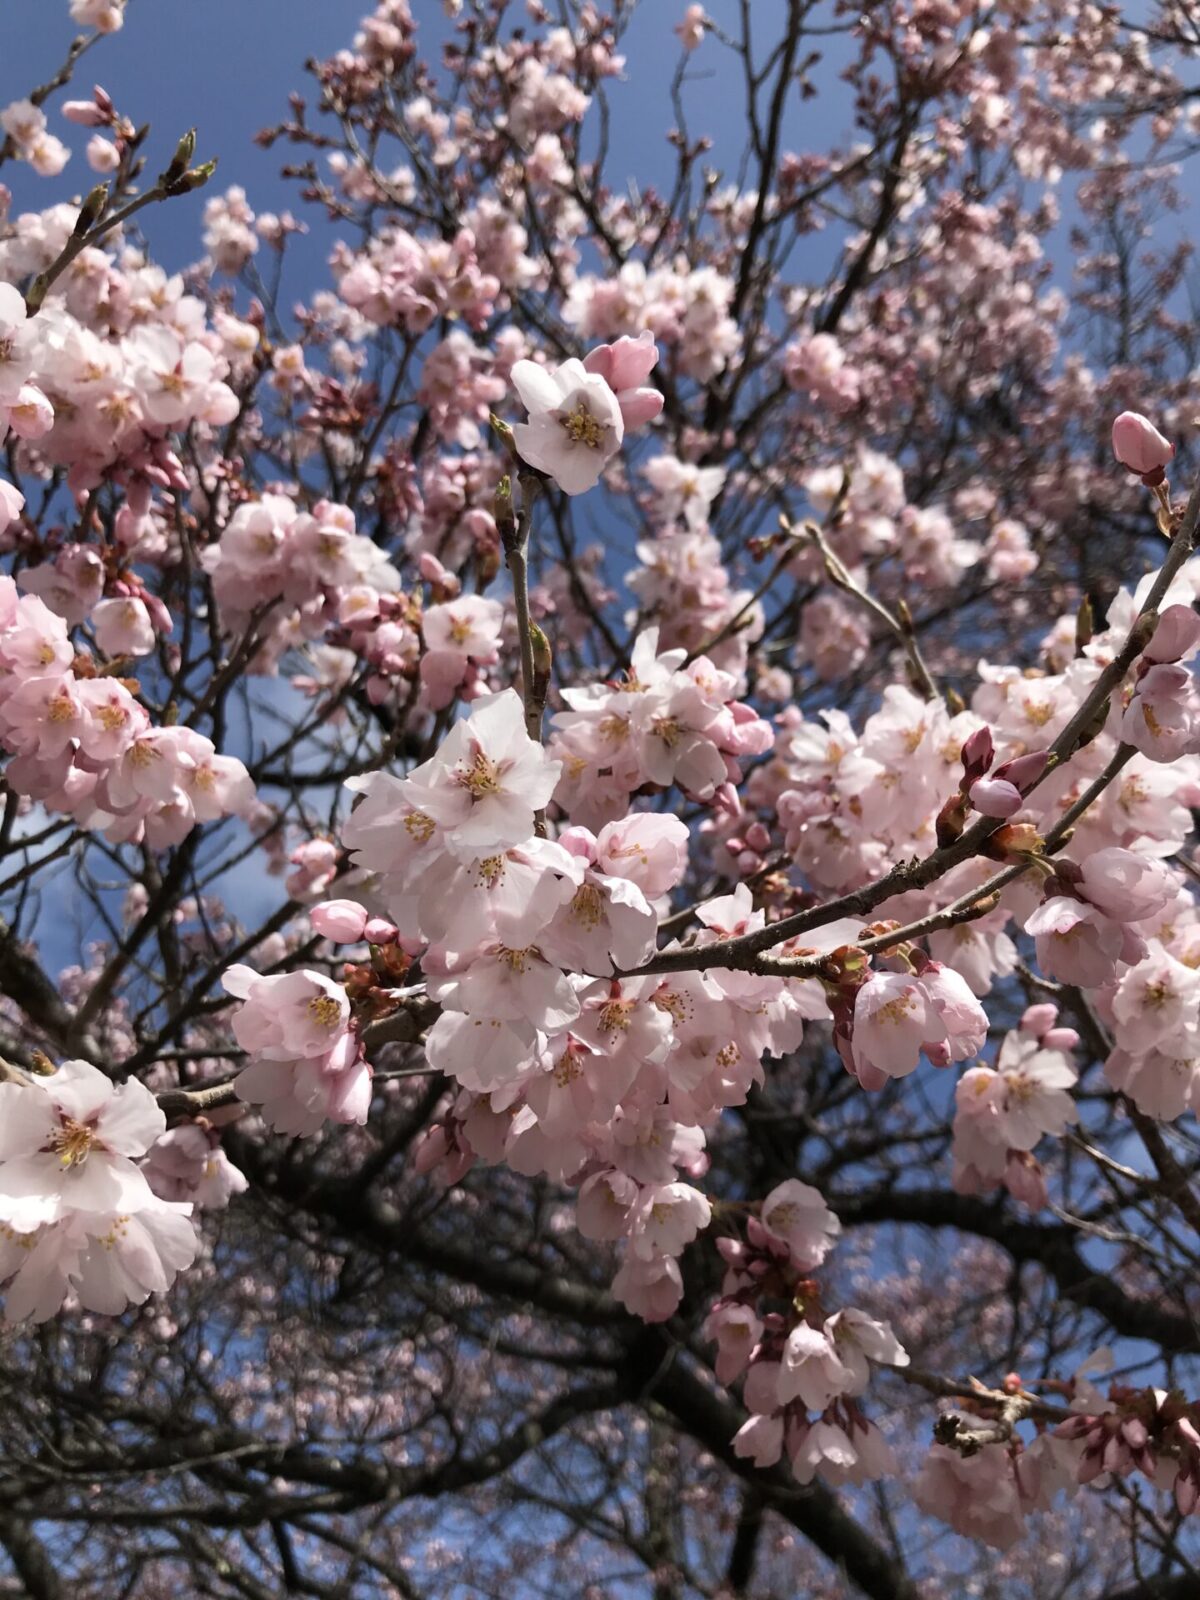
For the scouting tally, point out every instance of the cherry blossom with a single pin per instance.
(575, 423)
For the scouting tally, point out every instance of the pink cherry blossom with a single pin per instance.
(68, 1143)
(575, 424)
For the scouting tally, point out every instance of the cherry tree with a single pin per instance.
(600, 962)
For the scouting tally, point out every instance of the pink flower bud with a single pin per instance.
(1038, 1020)
(1024, 771)
(1059, 1039)
(1178, 631)
(342, 921)
(625, 365)
(85, 113)
(995, 797)
(977, 753)
(1138, 445)
(1024, 1180)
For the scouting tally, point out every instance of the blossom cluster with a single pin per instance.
(563, 1064)
(687, 310)
(987, 1490)
(78, 1214)
(306, 1063)
(1003, 1112)
(311, 568)
(669, 721)
(84, 745)
(804, 1372)
(406, 282)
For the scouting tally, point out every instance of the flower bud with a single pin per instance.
(1024, 771)
(1138, 445)
(342, 921)
(1178, 631)
(978, 752)
(995, 797)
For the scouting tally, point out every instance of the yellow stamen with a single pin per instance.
(73, 1142)
(581, 427)
(326, 1010)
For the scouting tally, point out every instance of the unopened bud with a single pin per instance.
(195, 178)
(951, 820)
(487, 563)
(505, 435)
(180, 161)
(1138, 446)
(977, 754)
(1094, 726)
(91, 210)
(543, 660)
(505, 513)
(1023, 772)
(1144, 629)
(1085, 625)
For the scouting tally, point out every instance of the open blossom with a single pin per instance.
(1156, 1005)
(575, 424)
(106, 1260)
(11, 503)
(1162, 719)
(306, 1063)
(796, 1213)
(976, 1494)
(488, 779)
(683, 489)
(859, 1339)
(187, 1164)
(1074, 942)
(892, 1020)
(811, 1370)
(16, 344)
(123, 627)
(68, 1144)
(899, 1015)
(649, 849)
(1125, 885)
(760, 1440)
(1003, 1112)
(736, 1330)
(650, 1289)
(666, 1218)
(288, 1015)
